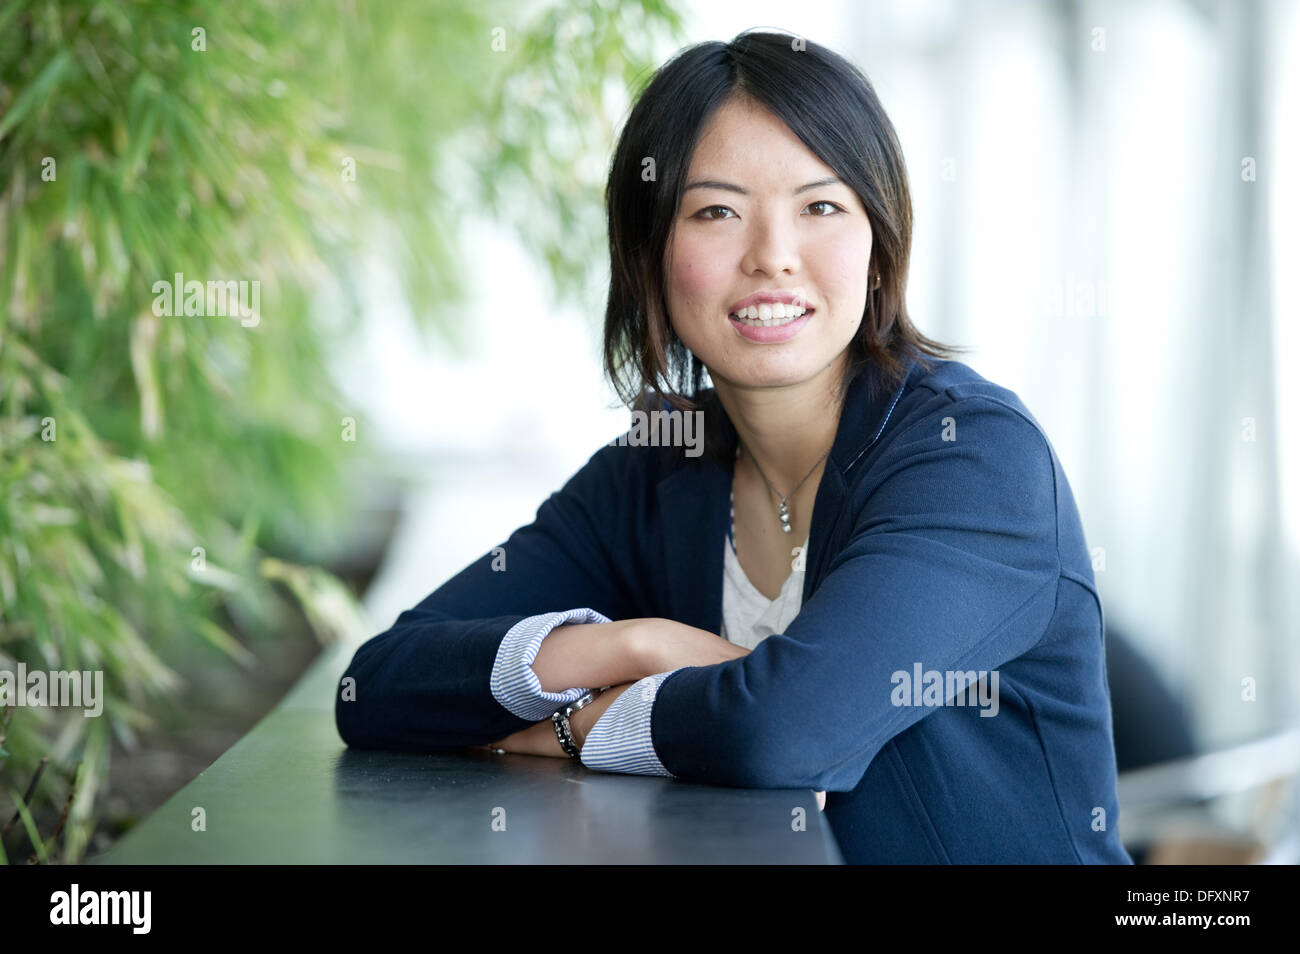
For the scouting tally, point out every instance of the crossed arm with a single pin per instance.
(615, 654)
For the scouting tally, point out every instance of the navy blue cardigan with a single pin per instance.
(944, 538)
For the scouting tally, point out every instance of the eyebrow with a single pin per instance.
(731, 187)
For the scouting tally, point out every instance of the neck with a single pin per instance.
(786, 429)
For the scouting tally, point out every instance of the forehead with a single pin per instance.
(744, 140)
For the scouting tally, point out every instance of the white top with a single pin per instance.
(749, 617)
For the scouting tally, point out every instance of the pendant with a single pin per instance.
(784, 514)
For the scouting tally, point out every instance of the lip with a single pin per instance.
(769, 298)
(773, 334)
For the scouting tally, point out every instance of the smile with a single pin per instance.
(769, 315)
(771, 330)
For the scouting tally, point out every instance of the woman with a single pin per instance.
(885, 540)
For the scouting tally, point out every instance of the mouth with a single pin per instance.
(771, 330)
(770, 316)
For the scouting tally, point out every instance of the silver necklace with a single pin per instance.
(783, 512)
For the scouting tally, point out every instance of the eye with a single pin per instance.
(827, 203)
(709, 218)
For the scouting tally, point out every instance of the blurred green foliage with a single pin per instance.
(214, 139)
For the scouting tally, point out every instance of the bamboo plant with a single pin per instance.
(161, 472)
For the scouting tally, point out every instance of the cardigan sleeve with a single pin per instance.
(952, 564)
(440, 679)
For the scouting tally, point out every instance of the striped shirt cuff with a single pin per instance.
(513, 682)
(620, 740)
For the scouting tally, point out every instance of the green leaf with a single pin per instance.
(28, 823)
(37, 91)
(223, 641)
(10, 11)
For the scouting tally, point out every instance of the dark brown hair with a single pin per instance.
(830, 105)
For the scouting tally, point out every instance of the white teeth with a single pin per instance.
(766, 315)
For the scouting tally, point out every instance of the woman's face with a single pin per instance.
(756, 217)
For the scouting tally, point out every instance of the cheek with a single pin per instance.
(839, 270)
(698, 274)
(843, 259)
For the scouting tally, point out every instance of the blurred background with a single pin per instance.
(197, 505)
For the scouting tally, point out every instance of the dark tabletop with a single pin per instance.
(291, 792)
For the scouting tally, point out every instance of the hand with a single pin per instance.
(821, 801)
(540, 738)
(666, 644)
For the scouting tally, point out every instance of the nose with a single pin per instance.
(773, 248)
